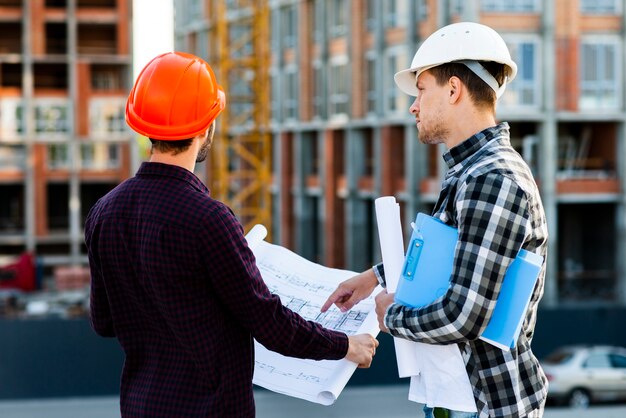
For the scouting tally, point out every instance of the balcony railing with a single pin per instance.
(106, 117)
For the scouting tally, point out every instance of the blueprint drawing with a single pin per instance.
(303, 287)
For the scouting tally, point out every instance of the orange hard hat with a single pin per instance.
(176, 96)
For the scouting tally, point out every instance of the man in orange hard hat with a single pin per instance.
(172, 276)
(490, 196)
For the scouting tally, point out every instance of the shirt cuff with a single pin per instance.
(380, 274)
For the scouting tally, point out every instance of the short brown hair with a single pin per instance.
(483, 95)
(171, 147)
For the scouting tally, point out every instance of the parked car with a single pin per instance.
(579, 375)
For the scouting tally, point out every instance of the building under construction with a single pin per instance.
(342, 135)
(65, 73)
(315, 130)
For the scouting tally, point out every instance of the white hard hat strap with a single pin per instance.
(486, 76)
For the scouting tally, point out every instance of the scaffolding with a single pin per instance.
(240, 169)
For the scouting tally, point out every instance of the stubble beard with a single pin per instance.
(204, 150)
(435, 135)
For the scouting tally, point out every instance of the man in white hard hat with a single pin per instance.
(490, 195)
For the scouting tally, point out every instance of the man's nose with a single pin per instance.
(414, 108)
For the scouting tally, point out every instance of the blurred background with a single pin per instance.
(314, 131)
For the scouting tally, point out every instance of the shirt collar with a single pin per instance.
(169, 170)
(457, 154)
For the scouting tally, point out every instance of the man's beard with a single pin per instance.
(204, 150)
(435, 135)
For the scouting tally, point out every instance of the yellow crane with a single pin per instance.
(240, 169)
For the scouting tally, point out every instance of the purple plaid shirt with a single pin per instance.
(174, 280)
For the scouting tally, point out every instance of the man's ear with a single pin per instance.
(455, 88)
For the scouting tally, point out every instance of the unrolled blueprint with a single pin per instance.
(303, 287)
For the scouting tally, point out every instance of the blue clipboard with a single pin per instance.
(426, 275)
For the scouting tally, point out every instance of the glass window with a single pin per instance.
(339, 86)
(99, 156)
(290, 93)
(599, 6)
(12, 157)
(421, 10)
(275, 109)
(338, 17)
(395, 13)
(288, 26)
(618, 361)
(318, 20)
(595, 361)
(58, 157)
(600, 77)
(319, 110)
(394, 99)
(525, 89)
(517, 6)
(51, 116)
(275, 31)
(370, 88)
(11, 118)
(106, 117)
(371, 14)
(456, 7)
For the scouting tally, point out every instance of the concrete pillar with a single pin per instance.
(548, 157)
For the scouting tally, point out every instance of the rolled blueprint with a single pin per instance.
(256, 235)
(392, 249)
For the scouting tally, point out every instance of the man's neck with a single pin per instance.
(467, 124)
(184, 160)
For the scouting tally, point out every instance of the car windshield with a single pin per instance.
(559, 357)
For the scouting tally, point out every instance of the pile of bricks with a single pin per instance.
(71, 277)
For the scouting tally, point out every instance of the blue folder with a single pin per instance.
(426, 277)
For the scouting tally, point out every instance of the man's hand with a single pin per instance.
(352, 291)
(383, 300)
(361, 349)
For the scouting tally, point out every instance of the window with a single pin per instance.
(290, 93)
(99, 156)
(319, 110)
(318, 20)
(106, 117)
(517, 6)
(12, 208)
(108, 77)
(395, 12)
(618, 361)
(275, 109)
(52, 116)
(456, 7)
(600, 82)
(599, 6)
(11, 118)
(370, 23)
(595, 361)
(525, 89)
(288, 26)
(371, 80)
(58, 157)
(395, 100)
(339, 86)
(274, 33)
(338, 18)
(12, 157)
(421, 10)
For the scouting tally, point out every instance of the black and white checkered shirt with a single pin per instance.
(490, 195)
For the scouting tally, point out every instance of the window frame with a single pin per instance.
(618, 84)
(517, 40)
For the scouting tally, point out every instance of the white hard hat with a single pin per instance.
(466, 43)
